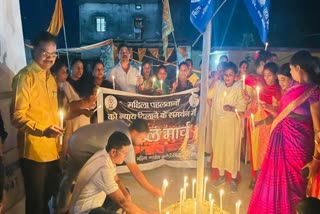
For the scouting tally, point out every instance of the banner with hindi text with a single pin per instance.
(172, 121)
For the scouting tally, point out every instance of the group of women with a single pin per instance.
(280, 107)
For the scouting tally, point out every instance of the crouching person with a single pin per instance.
(98, 189)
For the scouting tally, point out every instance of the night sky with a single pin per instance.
(293, 23)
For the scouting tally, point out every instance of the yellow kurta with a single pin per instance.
(35, 108)
(226, 127)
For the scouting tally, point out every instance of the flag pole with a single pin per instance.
(176, 47)
(65, 42)
(203, 100)
(215, 13)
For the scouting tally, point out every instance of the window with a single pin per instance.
(101, 24)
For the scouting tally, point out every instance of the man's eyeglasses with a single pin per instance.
(124, 154)
(47, 54)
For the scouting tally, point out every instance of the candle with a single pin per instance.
(210, 197)
(205, 188)
(244, 81)
(237, 113)
(98, 91)
(238, 203)
(221, 194)
(161, 82)
(185, 191)
(160, 201)
(195, 207)
(177, 77)
(193, 187)
(153, 80)
(258, 96)
(252, 121)
(181, 195)
(139, 70)
(113, 83)
(99, 107)
(61, 126)
(225, 94)
(185, 183)
(211, 206)
(167, 212)
(164, 186)
(266, 47)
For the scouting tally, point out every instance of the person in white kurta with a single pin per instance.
(227, 107)
(73, 124)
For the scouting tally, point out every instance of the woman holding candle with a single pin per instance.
(161, 85)
(146, 86)
(94, 82)
(182, 83)
(226, 126)
(243, 70)
(72, 106)
(253, 81)
(293, 143)
(270, 96)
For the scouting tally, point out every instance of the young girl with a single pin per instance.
(284, 77)
(243, 69)
(146, 84)
(161, 85)
(269, 102)
(228, 105)
(253, 81)
(182, 83)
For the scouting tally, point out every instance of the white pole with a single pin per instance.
(203, 100)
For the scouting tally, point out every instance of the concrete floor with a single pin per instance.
(175, 178)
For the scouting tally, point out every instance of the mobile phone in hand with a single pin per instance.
(305, 172)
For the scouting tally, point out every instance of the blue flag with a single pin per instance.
(201, 12)
(259, 11)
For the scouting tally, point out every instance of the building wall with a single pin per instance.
(119, 21)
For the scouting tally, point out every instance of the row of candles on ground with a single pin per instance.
(183, 195)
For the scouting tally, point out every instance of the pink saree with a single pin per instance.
(280, 186)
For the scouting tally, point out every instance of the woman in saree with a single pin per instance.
(280, 185)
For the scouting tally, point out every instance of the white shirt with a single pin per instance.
(89, 139)
(101, 184)
(124, 81)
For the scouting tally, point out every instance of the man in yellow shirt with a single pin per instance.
(36, 116)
